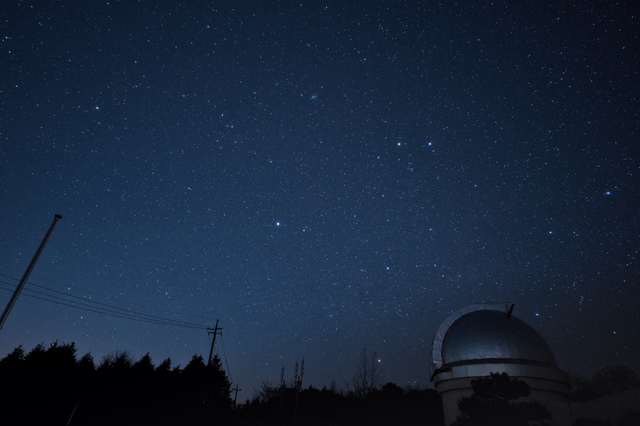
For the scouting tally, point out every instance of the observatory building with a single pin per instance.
(485, 338)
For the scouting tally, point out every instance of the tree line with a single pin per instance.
(51, 385)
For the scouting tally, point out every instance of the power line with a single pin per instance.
(223, 351)
(225, 358)
(104, 304)
(116, 315)
(90, 302)
(109, 310)
(110, 297)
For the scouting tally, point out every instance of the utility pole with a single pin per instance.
(235, 400)
(283, 392)
(215, 331)
(25, 277)
(298, 385)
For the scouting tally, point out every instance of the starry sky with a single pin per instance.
(320, 176)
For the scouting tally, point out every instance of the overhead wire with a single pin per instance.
(97, 307)
(116, 315)
(224, 353)
(225, 359)
(111, 297)
(127, 311)
(103, 308)
(85, 301)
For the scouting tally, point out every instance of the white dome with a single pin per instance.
(486, 336)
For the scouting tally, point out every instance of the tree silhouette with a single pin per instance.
(630, 419)
(616, 379)
(11, 373)
(143, 367)
(590, 422)
(391, 390)
(218, 385)
(196, 367)
(390, 406)
(85, 371)
(164, 367)
(493, 403)
(366, 377)
(13, 364)
(48, 385)
(608, 381)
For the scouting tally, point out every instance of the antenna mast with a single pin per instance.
(25, 277)
(215, 331)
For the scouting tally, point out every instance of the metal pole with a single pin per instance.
(215, 333)
(16, 293)
(235, 401)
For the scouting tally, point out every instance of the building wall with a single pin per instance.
(549, 393)
(563, 412)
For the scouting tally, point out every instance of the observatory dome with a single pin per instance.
(484, 338)
(488, 335)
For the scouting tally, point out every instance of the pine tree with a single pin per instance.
(218, 385)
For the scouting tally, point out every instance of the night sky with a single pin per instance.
(321, 177)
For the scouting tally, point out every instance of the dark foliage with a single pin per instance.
(590, 422)
(616, 379)
(389, 406)
(50, 386)
(164, 367)
(581, 389)
(494, 403)
(630, 419)
(144, 367)
(607, 381)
